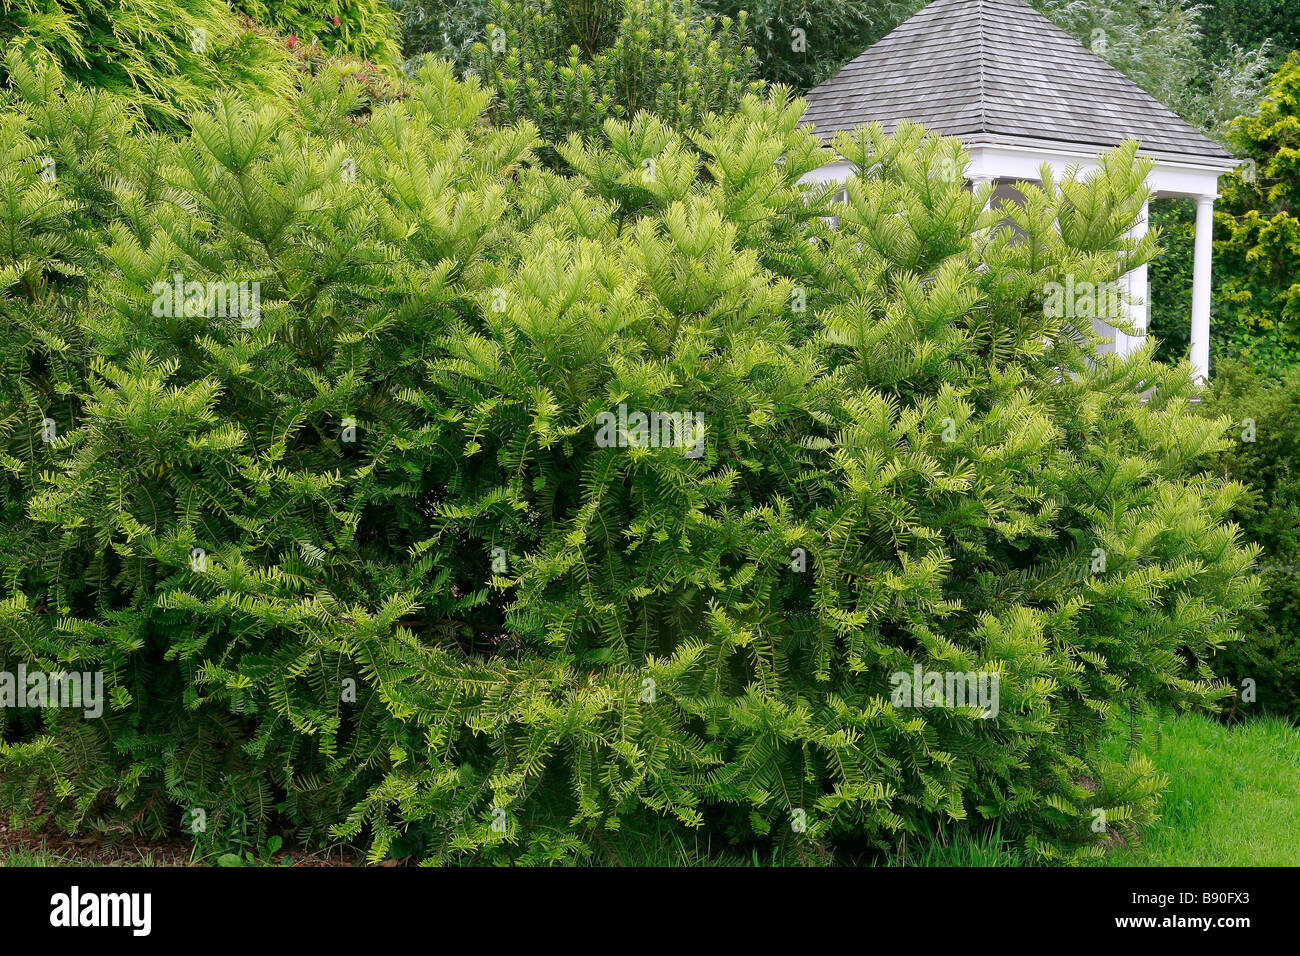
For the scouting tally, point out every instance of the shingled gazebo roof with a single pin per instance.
(1000, 70)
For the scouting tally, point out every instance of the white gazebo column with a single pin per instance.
(1135, 305)
(976, 182)
(1201, 287)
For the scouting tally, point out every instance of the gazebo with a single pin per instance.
(1018, 91)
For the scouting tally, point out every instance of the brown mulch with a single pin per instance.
(109, 849)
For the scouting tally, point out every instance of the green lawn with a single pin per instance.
(1233, 800)
(1233, 797)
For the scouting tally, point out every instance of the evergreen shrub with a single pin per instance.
(370, 555)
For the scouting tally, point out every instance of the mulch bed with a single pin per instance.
(108, 849)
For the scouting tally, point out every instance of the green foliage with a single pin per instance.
(1257, 247)
(170, 56)
(830, 33)
(360, 566)
(1267, 350)
(1256, 293)
(266, 857)
(1266, 457)
(1248, 23)
(1169, 293)
(366, 28)
(569, 67)
(443, 28)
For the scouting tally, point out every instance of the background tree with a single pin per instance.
(445, 28)
(800, 43)
(1226, 24)
(568, 67)
(1257, 226)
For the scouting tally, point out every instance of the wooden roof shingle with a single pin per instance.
(1000, 68)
